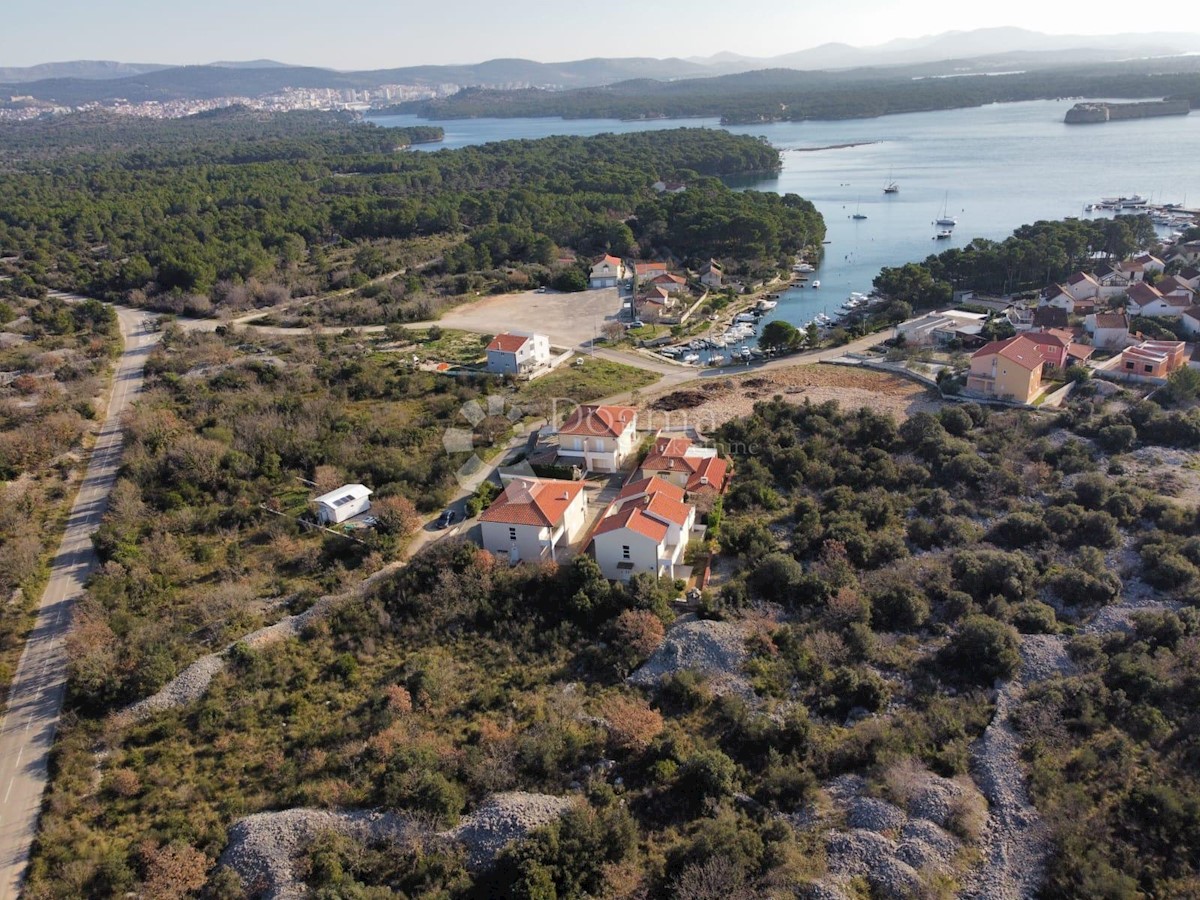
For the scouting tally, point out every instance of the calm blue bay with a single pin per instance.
(994, 167)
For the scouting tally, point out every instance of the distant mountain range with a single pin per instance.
(948, 53)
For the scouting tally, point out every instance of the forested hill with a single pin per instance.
(169, 218)
(786, 94)
(231, 134)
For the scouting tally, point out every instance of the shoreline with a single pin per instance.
(830, 147)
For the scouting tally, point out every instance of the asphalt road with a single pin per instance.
(29, 723)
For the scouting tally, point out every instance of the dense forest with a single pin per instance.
(1032, 258)
(773, 95)
(191, 210)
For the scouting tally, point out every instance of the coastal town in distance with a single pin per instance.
(676, 474)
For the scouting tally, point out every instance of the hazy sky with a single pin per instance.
(362, 34)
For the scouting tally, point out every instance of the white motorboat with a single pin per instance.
(767, 304)
(944, 234)
(692, 358)
(716, 360)
(803, 267)
(816, 284)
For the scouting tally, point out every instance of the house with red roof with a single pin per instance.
(1175, 287)
(1147, 300)
(1150, 263)
(1190, 276)
(712, 275)
(1010, 369)
(646, 530)
(517, 353)
(607, 273)
(1082, 286)
(534, 519)
(598, 438)
(698, 470)
(668, 282)
(649, 269)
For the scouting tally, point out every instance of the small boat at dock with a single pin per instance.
(816, 284)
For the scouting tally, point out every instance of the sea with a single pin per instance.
(993, 168)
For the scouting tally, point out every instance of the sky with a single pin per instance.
(370, 34)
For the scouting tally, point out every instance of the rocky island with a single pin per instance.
(1089, 113)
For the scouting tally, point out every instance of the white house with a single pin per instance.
(1112, 281)
(1108, 330)
(1174, 286)
(533, 519)
(712, 275)
(942, 328)
(668, 282)
(607, 273)
(1190, 320)
(669, 187)
(346, 502)
(1151, 263)
(1082, 286)
(1132, 269)
(517, 352)
(1188, 254)
(646, 530)
(598, 438)
(1147, 300)
(1190, 275)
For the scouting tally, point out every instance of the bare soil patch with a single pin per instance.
(713, 402)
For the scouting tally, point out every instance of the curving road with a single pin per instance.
(29, 723)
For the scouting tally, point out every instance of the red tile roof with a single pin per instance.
(662, 507)
(533, 501)
(509, 343)
(1082, 277)
(599, 421)
(1025, 353)
(611, 260)
(643, 268)
(710, 476)
(1112, 320)
(1144, 294)
(650, 487)
(631, 516)
(668, 278)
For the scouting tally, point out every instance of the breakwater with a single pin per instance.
(1089, 113)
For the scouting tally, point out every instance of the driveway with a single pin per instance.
(29, 723)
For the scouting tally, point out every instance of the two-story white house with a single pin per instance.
(1150, 263)
(1190, 276)
(607, 273)
(1082, 286)
(1112, 281)
(646, 530)
(598, 438)
(1109, 331)
(534, 519)
(517, 353)
(1174, 286)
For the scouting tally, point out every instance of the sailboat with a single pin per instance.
(946, 219)
(857, 213)
(891, 187)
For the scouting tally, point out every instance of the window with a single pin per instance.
(1129, 365)
(625, 552)
(512, 534)
(1149, 368)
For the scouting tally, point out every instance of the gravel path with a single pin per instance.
(716, 649)
(264, 848)
(192, 683)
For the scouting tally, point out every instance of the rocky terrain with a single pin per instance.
(715, 649)
(263, 848)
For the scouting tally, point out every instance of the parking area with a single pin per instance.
(567, 319)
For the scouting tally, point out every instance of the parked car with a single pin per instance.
(636, 323)
(446, 519)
